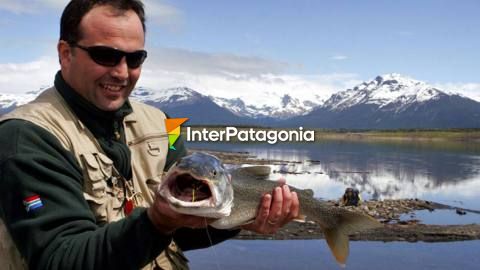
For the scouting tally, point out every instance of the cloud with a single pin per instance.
(257, 89)
(30, 6)
(224, 75)
(229, 76)
(163, 14)
(28, 76)
(218, 74)
(156, 11)
(228, 65)
(339, 57)
(468, 89)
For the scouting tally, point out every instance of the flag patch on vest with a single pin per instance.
(33, 202)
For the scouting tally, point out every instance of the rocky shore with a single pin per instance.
(398, 216)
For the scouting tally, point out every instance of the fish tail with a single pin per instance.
(348, 223)
(338, 242)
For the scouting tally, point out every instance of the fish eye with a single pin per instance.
(214, 172)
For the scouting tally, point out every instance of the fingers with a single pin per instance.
(263, 211)
(285, 207)
(260, 224)
(276, 209)
(295, 207)
(287, 204)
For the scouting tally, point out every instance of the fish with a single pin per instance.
(200, 185)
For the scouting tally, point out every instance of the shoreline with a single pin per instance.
(394, 135)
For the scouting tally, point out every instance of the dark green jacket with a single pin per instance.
(63, 233)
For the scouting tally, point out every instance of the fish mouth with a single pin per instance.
(185, 189)
(196, 187)
(188, 188)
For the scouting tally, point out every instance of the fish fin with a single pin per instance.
(256, 171)
(359, 222)
(337, 240)
(309, 192)
(300, 218)
(348, 223)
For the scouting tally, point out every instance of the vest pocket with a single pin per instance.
(103, 191)
(98, 207)
(95, 173)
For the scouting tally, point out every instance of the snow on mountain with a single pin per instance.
(376, 98)
(266, 104)
(166, 96)
(390, 90)
(278, 106)
(9, 102)
(392, 101)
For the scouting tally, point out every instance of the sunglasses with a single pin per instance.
(110, 57)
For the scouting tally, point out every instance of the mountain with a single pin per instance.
(9, 102)
(389, 101)
(272, 106)
(392, 101)
(185, 102)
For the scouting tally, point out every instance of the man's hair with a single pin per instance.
(76, 9)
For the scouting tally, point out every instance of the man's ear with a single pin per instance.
(64, 53)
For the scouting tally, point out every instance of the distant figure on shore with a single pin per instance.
(351, 197)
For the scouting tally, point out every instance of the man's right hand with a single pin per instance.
(166, 220)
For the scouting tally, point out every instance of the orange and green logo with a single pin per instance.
(173, 130)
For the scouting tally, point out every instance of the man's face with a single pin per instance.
(105, 87)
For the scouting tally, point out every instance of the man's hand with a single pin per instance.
(275, 210)
(167, 221)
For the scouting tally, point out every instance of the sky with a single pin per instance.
(302, 47)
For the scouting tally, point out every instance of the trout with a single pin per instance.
(200, 185)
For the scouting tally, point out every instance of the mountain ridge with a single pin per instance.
(385, 102)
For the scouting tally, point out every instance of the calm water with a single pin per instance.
(314, 254)
(379, 171)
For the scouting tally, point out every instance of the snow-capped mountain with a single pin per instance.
(170, 96)
(280, 107)
(387, 101)
(392, 91)
(186, 102)
(393, 101)
(8, 102)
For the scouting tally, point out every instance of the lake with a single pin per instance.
(378, 171)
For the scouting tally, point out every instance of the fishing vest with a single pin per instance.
(103, 187)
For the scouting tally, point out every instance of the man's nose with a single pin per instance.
(120, 71)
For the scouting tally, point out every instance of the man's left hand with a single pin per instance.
(275, 210)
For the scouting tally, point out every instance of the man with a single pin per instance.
(351, 197)
(80, 164)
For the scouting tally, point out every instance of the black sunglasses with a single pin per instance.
(110, 57)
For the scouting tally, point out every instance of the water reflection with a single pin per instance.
(379, 171)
